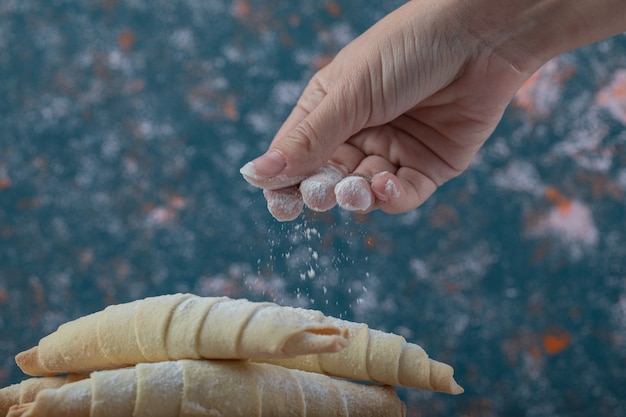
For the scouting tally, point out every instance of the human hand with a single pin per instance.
(399, 111)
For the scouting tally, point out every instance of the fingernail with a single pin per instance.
(390, 191)
(380, 196)
(268, 165)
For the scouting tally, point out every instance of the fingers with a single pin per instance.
(344, 144)
(327, 115)
(402, 192)
(285, 205)
(389, 192)
(318, 190)
(356, 182)
(303, 150)
(354, 193)
(321, 192)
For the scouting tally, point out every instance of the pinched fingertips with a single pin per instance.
(391, 194)
(354, 193)
(401, 192)
(267, 172)
(385, 187)
(285, 204)
(318, 190)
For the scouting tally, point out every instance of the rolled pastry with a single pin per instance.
(179, 326)
(375, 356)
(184, 326)
(212, 388)
(26, 390)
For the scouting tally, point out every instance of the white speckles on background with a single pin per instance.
(124, 125)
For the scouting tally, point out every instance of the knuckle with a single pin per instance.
(304, 138)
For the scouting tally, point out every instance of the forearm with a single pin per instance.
(529, 32)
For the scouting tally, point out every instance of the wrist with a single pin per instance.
(527, 33)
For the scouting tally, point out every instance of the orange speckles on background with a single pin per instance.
(321, 61)
(569, 221)
(452, 287)
(444, 216)
(109, 4)
(540, 93)
(617, 89)
(135, 86)
(524, 96)
(286, 40)
(6, 232)
(229, 107)
(379, 243)
(530, 349)
(124, 128)
(176, 201)
(100, 70)
(210, 104)
(516, 344)
(165, 214)
(361, 217)
(613, 96)
(85, 258)
(534, 352)
(161, 216)
(4, 295)
(539, 252)
(601, 186)
(333, 9)
(294, 20)
(242, 9)
(5, 182)
(37, 290)
(556, 341)
(28, 203)
(562, 203)
(4, 376)
(126, 40)
(370, 241)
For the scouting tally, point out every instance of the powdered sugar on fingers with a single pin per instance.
(286, 204)
(354, 193)
(318, 190)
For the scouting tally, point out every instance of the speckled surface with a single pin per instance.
(123, 125)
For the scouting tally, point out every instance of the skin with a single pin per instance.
(406, 105)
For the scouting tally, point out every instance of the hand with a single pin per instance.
(399, 111)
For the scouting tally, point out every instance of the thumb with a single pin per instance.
(316, 127)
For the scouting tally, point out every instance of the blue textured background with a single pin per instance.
(123, 125)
